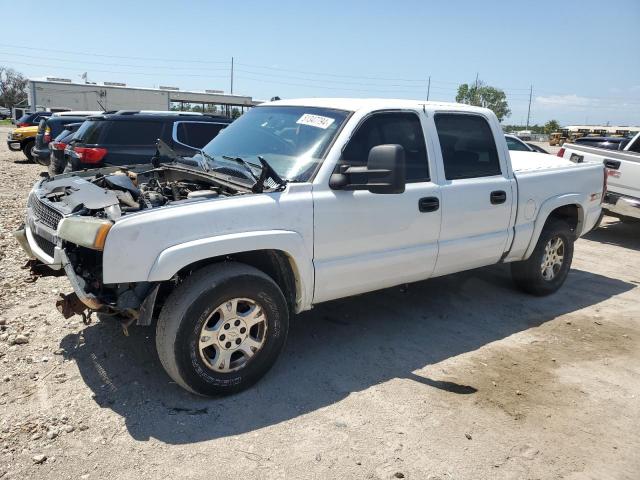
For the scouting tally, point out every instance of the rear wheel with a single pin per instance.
(547, 268)
(27, 149)
(222, 329)
(41, 161)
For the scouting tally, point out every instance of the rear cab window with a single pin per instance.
(468, 146)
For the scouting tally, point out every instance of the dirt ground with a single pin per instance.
(461, 377)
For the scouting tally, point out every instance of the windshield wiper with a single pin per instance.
(268, 172)
(245, 164)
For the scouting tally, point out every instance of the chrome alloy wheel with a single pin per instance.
(552, 259)
(234, 332)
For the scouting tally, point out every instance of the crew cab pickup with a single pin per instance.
(622, 198)
(296, 203)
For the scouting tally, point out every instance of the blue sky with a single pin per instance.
(580, 56)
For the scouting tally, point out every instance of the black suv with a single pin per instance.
(48, 129)
(129, 138)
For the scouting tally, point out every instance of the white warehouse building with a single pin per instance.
(58, 94)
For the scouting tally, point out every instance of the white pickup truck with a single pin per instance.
(622, 198)
(300, 202)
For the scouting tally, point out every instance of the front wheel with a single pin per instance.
(222, 329)
(547, 268)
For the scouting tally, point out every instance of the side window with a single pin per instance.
(515, 145)
(468, 147)
(134, 133)
(198, 134)
(402, 128)
(635, 147)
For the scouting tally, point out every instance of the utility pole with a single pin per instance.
(231, 75)
(475, 91)
(428, 88)
(529, 111)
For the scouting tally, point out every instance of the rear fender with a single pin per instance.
(549, 206)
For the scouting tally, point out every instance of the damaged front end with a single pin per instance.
(68, 222)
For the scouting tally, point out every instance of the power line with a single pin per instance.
(93, 54)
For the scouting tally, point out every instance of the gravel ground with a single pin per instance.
(460, 377)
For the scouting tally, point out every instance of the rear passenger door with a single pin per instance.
(477, 193)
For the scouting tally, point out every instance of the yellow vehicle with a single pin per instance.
(23, 138)
(557, 138)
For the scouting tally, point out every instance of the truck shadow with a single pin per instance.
(617, 233)
(338, 348)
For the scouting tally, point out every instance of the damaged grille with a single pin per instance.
(43, 213)
(44, 244)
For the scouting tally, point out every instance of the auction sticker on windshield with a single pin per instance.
(317, 121)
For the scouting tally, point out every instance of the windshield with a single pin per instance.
(292, 139)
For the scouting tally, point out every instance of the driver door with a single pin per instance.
(366, 241)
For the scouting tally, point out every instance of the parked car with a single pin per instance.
(302, 202)
(57, 146)
(50, 128)
(517, 145)
(23, 139)
(610, 143)
(130, 137)
(31, 119)
(4, 113)
(622, 199)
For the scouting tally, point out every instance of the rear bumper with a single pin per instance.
(43, 154)
(621, 205)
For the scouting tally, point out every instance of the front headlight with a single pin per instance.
(85, 231)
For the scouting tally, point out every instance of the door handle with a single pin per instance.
(497, 197)
(612, 164)
(428, 204)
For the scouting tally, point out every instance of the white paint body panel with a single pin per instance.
(626, 179)
(344, 242)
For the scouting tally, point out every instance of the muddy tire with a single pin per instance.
(547, 268)
(27, 150)
(222, 329)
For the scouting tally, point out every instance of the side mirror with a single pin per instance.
(385, 172)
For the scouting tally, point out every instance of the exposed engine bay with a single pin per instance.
(113, 192)
(108, 194)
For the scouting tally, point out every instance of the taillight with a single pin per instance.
(58, 145)
(46, 138)
(90, 154)
(560, 152)
(22, 124)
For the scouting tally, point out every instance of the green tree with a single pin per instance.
(551, 126)
(13, 87)
(484, 96)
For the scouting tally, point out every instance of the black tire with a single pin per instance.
(528, 275)
(56, 165)
(26, 149)
(39, 161)
(190, 306)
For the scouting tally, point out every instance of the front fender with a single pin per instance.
(173, 259)
(549, 206)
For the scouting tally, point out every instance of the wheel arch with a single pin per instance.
(281, 255)
(566, 208)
